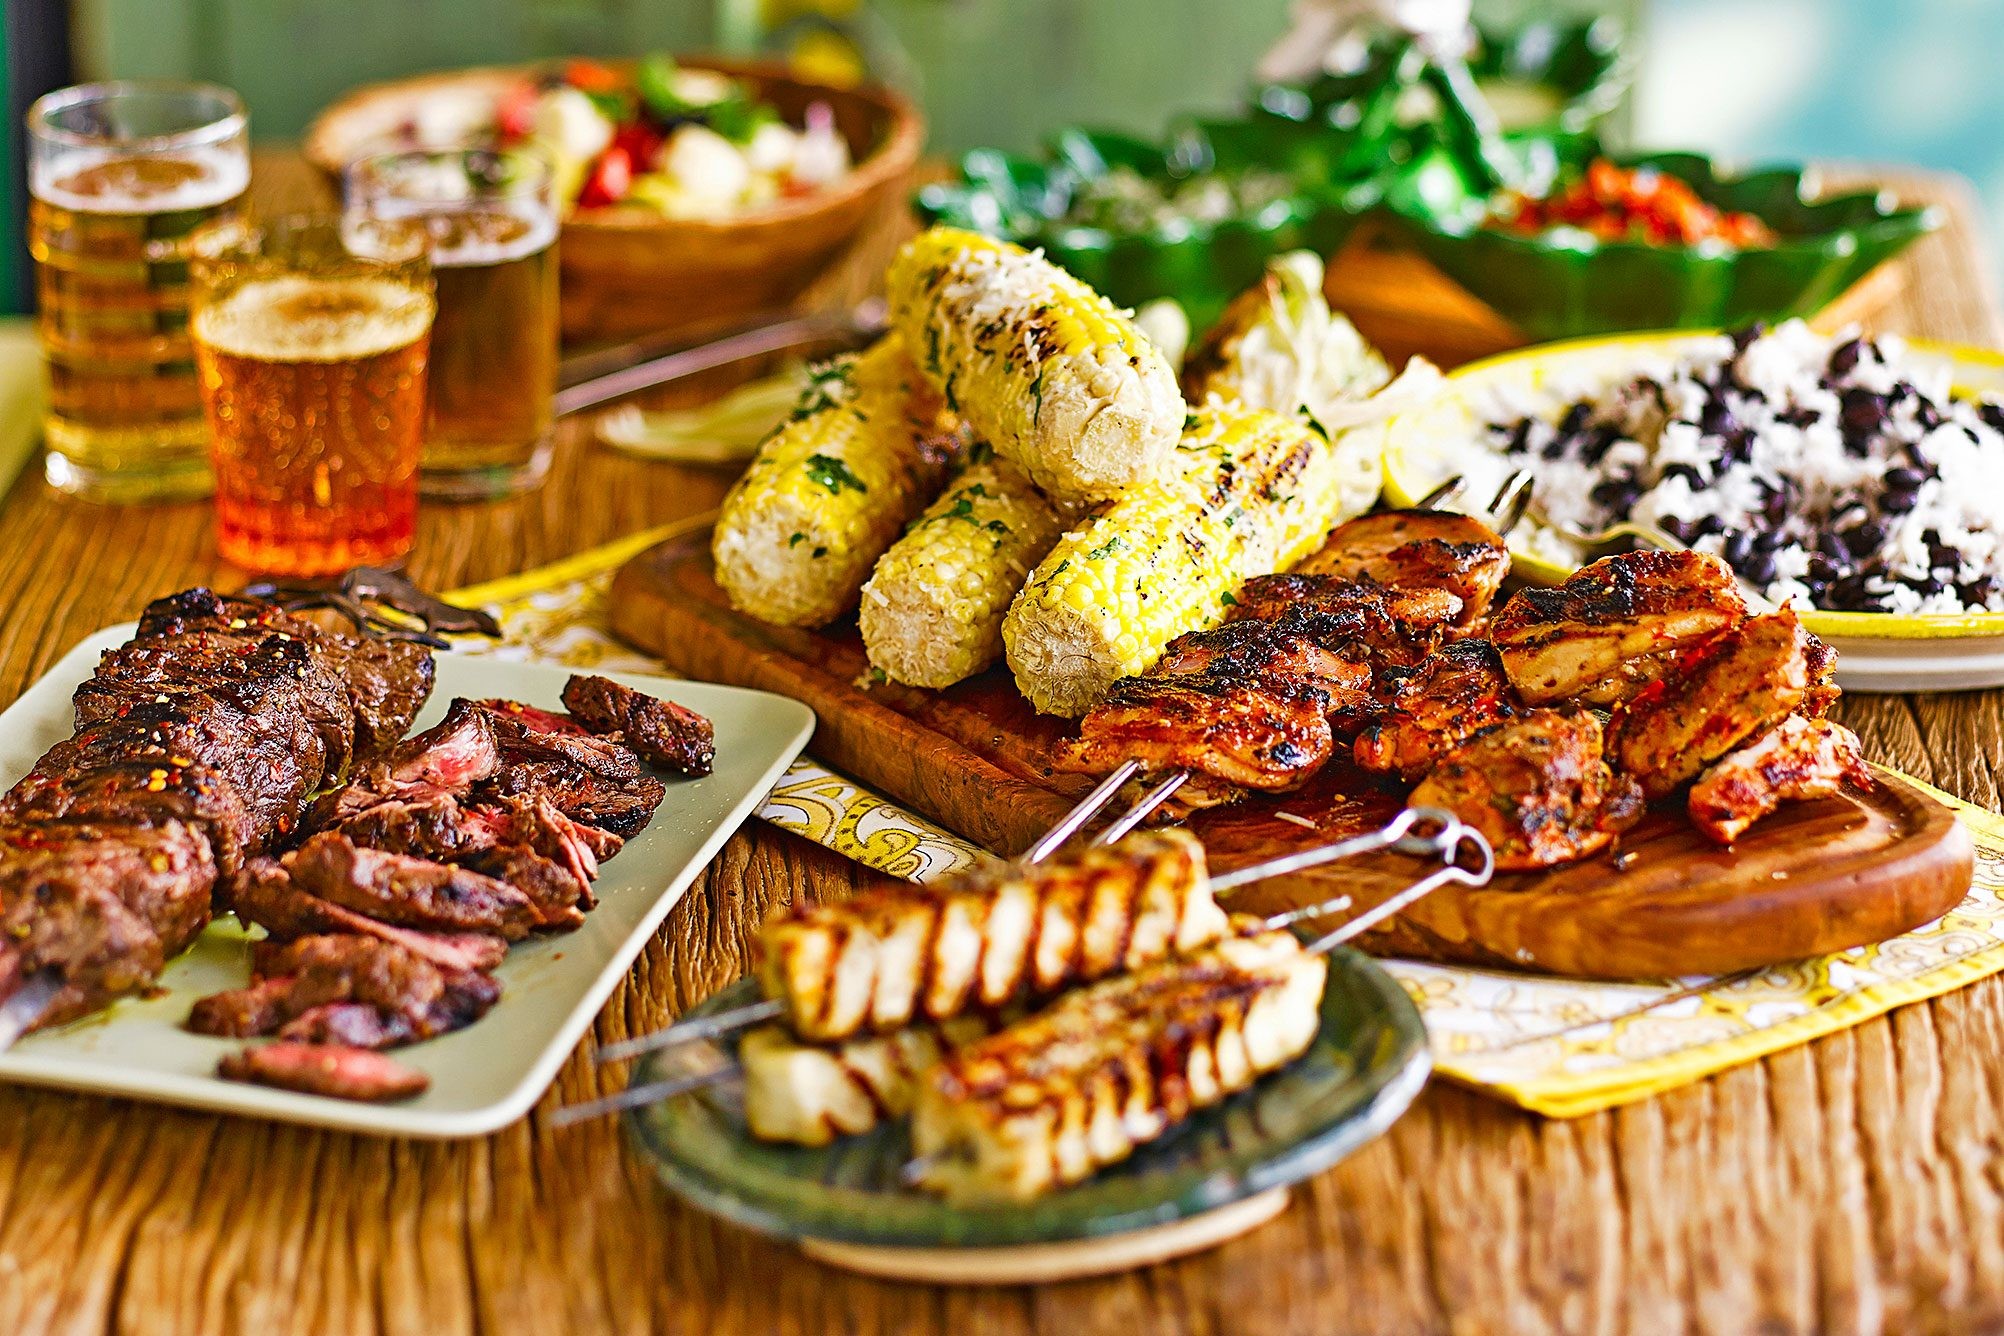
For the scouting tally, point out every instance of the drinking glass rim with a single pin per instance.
(353, 175)
(234, 121)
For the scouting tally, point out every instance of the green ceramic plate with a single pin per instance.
(1565, 283)
(1365, 1067)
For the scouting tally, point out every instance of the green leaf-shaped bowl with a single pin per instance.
(1203, 264)
(1367, 1063)
(1565, 283)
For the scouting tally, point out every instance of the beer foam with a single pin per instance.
(60, 180)
(294, 318)
(462, 240)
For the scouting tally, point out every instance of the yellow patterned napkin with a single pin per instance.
(1561, 1047)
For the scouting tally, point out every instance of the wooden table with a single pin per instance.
(1851, 1185)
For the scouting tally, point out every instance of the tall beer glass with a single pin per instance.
(120, 176)
(493, 221)
(310, 339)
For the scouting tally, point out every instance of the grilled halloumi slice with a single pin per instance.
(810, 1094)
(883, 959)
(1053, 1099)
(1558, 643)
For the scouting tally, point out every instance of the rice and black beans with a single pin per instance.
(1838, 472)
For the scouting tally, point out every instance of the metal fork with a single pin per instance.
(1513, 506)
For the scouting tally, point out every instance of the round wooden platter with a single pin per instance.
(1814, 878)
(1042, 1263)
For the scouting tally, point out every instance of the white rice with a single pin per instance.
(1900, 511)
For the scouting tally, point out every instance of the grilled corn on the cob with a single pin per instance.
(810, 1094)
(831, 487)
(932, 610)
(1279, 346)
(1250, 492)
(1041, 366)
(1051, 1100)
(883, 959)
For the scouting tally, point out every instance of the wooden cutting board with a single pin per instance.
(1814, 878)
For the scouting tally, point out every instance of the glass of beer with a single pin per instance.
(120, 177)
(310, 341)
(492, 216)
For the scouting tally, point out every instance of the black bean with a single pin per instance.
(1863, 414)
(1616, 495)
(1681, 530)
(1709, 524)
(1928, 587)
(1831, 544)
(1864, 538)
(1844, 357)
(1904, 479)
(1927, 415)
(1743, 338)
(1896, 503)
(1575, 419)
(1822, 570)
(1689, 473)
(1519, 434)
(1717, 419)
(1992, 414)
(1804, 417)
(1738, 544)
(1597, 442)
(1770, 541)
(1759, 568)
(1976, 591)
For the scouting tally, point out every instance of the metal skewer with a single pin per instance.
(27, 1004)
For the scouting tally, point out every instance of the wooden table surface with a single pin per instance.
(1856, 1184)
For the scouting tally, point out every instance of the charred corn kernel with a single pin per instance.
(1041, 366)
(932, 610)
(830, 488)
(1250, 493)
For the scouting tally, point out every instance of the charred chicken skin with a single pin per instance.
(1612, 620)
(1418, 549)
(1712, 699)
(1434, 707)
(1393, 625)
(1537, 787)
(1796, 759)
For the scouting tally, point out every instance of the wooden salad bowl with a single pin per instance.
(627, 270)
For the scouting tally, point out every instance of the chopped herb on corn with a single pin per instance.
(1041, 366)
(1250, 493)
(831, 487)
(932, 610)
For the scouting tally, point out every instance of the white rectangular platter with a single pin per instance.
(489, 1074)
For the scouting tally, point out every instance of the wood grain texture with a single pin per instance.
(1812, 879)
(1851, 1185)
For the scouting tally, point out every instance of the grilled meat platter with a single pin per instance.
(237, 758)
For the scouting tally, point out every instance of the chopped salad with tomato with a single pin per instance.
(691, 143)
(1616, 203)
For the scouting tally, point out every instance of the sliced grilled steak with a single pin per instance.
(266, 896)
(386, 682)
(296, 977)
(661, 732)
(444, 760)
(324, 1069)
(409, 892)
(560, 895)
(104, 905)
(349, 1024)
(243, 1013)
(142, 793)
(438, 827)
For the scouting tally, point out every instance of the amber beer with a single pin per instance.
(121, 177)
(312, 367)
(492, 218)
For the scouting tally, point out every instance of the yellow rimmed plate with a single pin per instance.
(1877, 651)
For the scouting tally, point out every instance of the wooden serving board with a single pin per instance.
(1811, 879)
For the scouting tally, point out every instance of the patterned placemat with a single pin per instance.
(1561, 1047)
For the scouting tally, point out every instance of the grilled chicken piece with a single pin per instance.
(325, 1069)
(1820, 661)
(1537, 788)
(1435, 707)
(885, 958)
(1713, 698)
(1558, 643)
(1051, 1100)
(1797, 758)
(1247, 705)
(663, 733)
(1418, 549)
(1393, 625)
(810, 1094)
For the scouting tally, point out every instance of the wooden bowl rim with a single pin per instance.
(891, 159)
